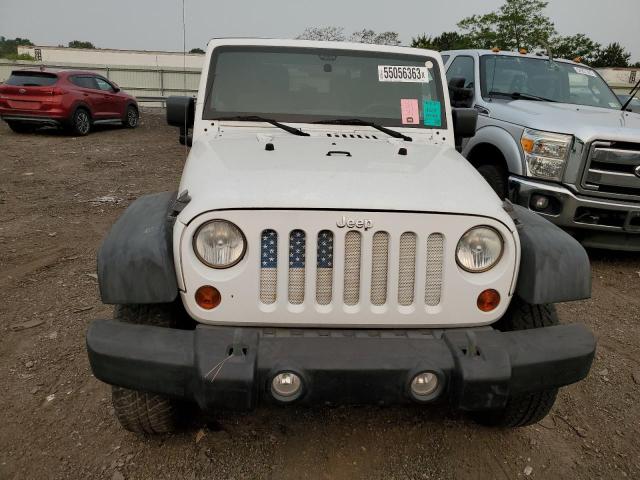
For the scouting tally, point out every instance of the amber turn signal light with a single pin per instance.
(208, 297)
(488, 300)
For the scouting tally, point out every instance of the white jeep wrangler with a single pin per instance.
(329, 245)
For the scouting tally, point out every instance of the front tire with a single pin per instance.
(496, 177)
(131, 117)
(80, 123)
(144, 412)
(529, 408)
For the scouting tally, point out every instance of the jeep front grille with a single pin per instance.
(611, 170)
(435, 252)
(365, 255)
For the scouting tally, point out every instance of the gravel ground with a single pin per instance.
(58, 197)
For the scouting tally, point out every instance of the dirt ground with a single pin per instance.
(58, 197)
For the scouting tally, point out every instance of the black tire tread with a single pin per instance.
(526, 409)
(144, 412)
(72, 122)
(496, 177)
(125, 122)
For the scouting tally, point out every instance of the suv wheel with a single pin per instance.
(143, 412)
(132, 116)
(524, 409)
(496, 177)
(19, 127)
(80, 124)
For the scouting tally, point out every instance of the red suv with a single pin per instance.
(75, 100)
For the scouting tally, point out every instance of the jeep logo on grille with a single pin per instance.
(351, 223)
(637, 171)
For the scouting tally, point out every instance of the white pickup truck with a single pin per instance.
(329, 245)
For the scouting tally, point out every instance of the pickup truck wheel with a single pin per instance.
(525, 409)
(131, 117)
(496, 177)
(144, 412)
(80, 123)
(19, 127)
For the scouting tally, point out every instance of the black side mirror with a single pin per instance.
(465, 121)
(181, 113)
(459, 95)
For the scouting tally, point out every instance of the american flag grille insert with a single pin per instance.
(384, 258)
(324, 270)
(297, 251)
(268, 266)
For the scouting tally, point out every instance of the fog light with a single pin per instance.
(539, 202)
(208, 297)
(424, 384)
(488, 300)
(286, 386)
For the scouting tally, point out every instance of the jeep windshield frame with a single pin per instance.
(511, 76)
(313, 85)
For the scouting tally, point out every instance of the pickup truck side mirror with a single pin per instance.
(465, 121)
(181, 114)
(458, 94)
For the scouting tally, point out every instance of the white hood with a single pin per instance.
(239, 173)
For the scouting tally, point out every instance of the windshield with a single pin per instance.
(555, 81)
(312, 85)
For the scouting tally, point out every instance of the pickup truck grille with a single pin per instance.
(346, 261)
(613, 170)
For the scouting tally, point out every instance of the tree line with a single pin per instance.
(517, 24)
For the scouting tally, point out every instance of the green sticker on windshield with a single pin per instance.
(432, 113)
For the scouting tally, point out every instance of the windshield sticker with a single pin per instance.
(410, 111)
(390, 73)
(432, 113)
(585, 71)
(428, 64)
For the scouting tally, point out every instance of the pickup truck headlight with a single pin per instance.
(545, 153)
(479, 249)
(219, 244)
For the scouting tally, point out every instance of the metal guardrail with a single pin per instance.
(147, 84)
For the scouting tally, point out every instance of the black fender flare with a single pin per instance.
(135, 261)
(554, 266)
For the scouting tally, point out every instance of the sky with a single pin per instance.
(157, 24)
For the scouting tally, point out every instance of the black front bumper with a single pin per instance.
(477, 368)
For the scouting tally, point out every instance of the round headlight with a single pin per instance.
(479, 249)
(219, 244)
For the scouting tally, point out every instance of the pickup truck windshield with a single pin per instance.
(308, 85)
(556, 81)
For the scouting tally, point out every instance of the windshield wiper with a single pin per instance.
(632, 94)
(364, 123)
(522, 96)
(256, 118)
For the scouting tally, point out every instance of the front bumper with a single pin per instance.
(477, 368)
(594, 222)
